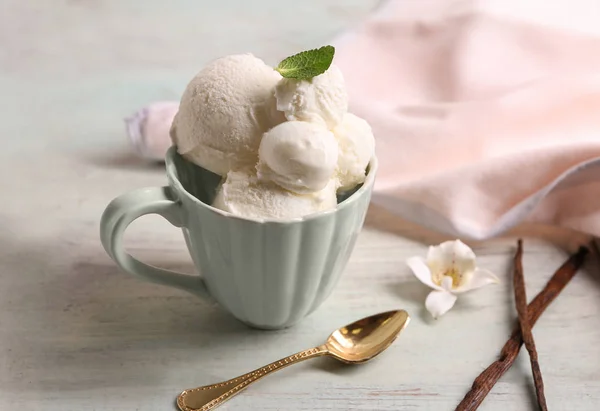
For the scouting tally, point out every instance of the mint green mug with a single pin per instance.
(268, 274)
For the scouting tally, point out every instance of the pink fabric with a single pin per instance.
(148, 129)
(486, 113)
(483, 118)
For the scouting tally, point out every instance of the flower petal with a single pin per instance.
(439, 302)
(451, 256)
(480, 278)
(450, 252)
(422, 272)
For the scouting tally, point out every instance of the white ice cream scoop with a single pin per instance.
(224, 111)
(242, 194)
(356, 147)
(298, 156)
(322, 99)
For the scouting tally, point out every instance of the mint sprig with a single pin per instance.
(307, 64)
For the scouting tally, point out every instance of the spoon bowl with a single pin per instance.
(366, 338)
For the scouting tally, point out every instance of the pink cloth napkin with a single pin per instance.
(486, 113)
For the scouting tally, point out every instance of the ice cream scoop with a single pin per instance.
(356, 147)
(322, 99)
(244, 195)
(224, 111)
(298, 156)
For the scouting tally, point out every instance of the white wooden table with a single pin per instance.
(77, 334)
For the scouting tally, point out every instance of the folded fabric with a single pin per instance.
(148, 129)
(486, 113)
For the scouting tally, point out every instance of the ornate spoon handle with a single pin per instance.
(210, 396)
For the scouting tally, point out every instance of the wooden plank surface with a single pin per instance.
(77, 334)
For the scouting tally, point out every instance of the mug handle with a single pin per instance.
(121, 212)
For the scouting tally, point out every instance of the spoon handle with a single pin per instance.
(210, 396)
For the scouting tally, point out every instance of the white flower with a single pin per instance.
(450, 270)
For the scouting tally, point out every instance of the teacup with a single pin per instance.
(268, 274)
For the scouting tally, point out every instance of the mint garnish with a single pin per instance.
(307, 64)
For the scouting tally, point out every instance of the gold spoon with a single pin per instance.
(353, 344)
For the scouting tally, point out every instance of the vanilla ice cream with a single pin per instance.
(356, 147)
(244, 195)
(322, 99)
(224, 111)
(298, 156)
(284, 145)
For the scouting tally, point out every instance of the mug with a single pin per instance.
(268, 274)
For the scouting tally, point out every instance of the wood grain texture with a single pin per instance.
(77, 334)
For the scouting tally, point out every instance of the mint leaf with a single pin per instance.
(307, 64)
